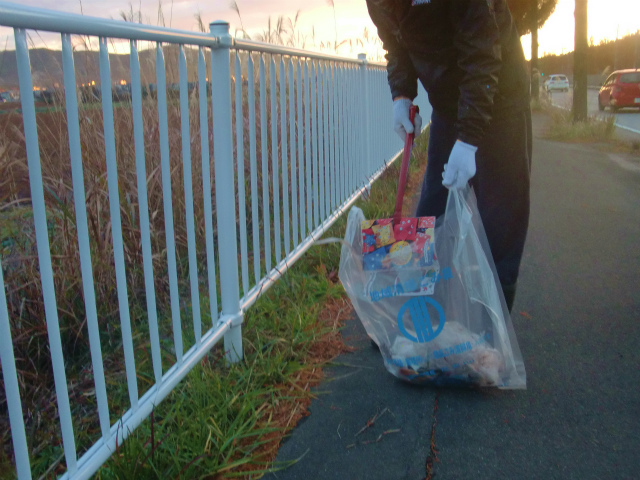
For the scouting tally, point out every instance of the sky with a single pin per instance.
(326, 20)
(607, 18)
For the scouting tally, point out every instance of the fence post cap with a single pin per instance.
(363, 57)
(220, 29)
(219, 24)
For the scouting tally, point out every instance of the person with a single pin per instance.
(467, 55)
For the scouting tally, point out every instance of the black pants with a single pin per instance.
(501, 185)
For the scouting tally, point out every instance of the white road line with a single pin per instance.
(616, 124)
(627, 128)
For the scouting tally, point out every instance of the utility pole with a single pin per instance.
(535, 74)
(615, 49)
(581, 45)
(635, 57)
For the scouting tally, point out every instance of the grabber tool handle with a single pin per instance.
(404, 169)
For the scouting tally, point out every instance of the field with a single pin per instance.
(20, 264)
(21, 271)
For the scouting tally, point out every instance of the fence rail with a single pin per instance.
(294, 138)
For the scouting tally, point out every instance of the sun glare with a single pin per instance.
(323, 23)
(608, 19)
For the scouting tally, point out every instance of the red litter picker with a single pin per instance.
(404, 168)
(399, 242)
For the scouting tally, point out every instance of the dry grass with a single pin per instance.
(21, 268)
(592, 130)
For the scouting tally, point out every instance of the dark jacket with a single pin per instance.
(466, 53)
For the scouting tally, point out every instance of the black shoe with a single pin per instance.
(509, 295)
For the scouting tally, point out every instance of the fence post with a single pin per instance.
(12, 390)
(43, 247)
(366, 138)
(225, 191)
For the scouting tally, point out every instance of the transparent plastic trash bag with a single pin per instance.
(445, 323)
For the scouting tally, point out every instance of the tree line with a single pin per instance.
(607, 56)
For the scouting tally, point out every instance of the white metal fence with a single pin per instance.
(295, 137)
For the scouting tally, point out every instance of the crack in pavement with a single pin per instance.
(432, 456)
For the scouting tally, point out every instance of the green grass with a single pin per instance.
(228, 421)
(280, 334)
(24, 295)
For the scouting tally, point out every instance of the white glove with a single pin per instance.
(461, 167)
(401, 123)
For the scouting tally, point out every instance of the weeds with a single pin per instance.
(538, 105)
(228, 422)
(279, 347)
(236, 428)
(593, 129)
(20, 261)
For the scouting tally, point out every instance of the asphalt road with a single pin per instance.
(577, 319)
(627, 118)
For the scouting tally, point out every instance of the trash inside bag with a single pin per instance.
(427, 292)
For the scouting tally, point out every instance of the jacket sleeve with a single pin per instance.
(477, 43)
(402, 77)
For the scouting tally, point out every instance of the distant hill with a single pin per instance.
(46, 67)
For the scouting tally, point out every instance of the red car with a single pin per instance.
(621, 89)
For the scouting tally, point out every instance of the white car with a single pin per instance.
(557, 82)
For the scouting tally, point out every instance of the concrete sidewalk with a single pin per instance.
(577, 319)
